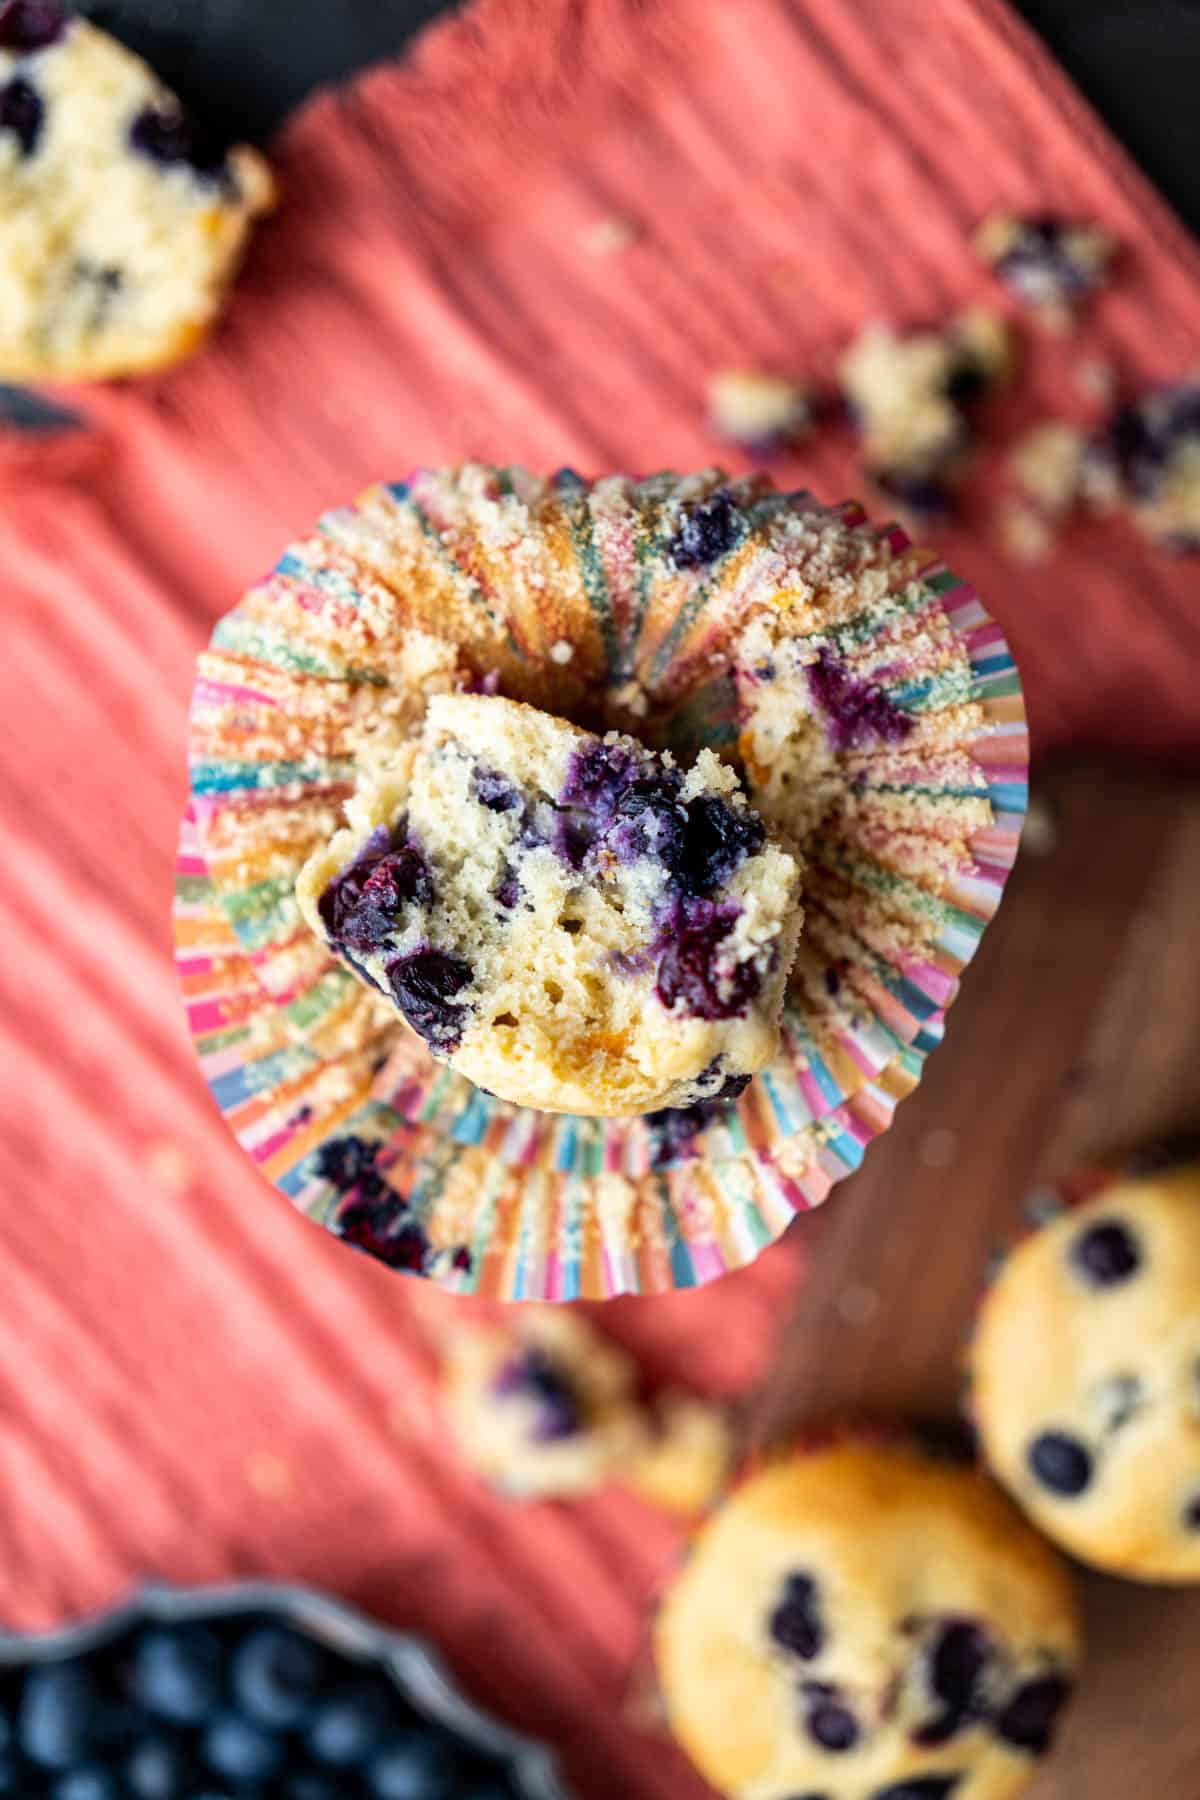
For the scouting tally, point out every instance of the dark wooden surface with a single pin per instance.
(1078, 1029)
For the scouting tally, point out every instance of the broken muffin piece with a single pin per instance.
(1049, 263)
(909, 396)
(575, 923)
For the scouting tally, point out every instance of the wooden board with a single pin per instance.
(1078, 1030)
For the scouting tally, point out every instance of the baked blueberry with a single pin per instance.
(1106, 1253)
(1029, 1719)
(58, 1715)
(28, 25)
(795, 1624)
(166, 135)
(716, 841)
(708, 530)
(830, 1721)
(920, 1787)
(276, 1674)
(855, 712)
(690, 974)
(22, 113)
(534, 1373)
(1061, 1463)
(424, 983)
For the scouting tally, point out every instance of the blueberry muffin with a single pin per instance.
(573, 922)
(120, 226)
(877, 1625)
(909, 396)
(1148, 462)
(1086, 1377)
(544, 1410)
(1049, 263)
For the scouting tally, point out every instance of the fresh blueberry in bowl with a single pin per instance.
(177, 1674)
(257, 1692)
(276, 1676)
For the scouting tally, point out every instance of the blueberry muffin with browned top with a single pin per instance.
(574, 922)
(1086, 1376)
(874, 1624)
(121, 224)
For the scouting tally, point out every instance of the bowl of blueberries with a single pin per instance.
(255, 1690)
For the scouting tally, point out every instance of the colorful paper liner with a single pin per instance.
(522, 1205)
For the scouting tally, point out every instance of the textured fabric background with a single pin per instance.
(193, 1381)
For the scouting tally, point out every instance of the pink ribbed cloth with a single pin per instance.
(195, 1381)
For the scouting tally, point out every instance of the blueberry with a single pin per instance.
(958, 1657)
(1106, 1253)
(687, 974)
(276, 1674)
(423, 982)
(1061, 1463)
(649, 821)
(675, 1129)
(396, 881)
(240, 1752)
(1028, 1721)
(13, 1778)
(90, 1781)
(22, 113)
(597, 777)
(708, 530)
(716, 839)
(960, 1654)
(166, 135)
(855, 712)
(495, 791)
(177, 1673)
(535, 1374)
(1041, 265)
(27, 25)
(830, 1721)
(379, 1226)
(411, 1768)
(310, 1784)
(918, 489)
(795, 1624)
(1191, 1514)
(58, 1714)
(921, 1787)
(349, 1727)
(157, 1769)
(349, 1164)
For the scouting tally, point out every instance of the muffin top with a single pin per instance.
(1086, 1377)
(879, 1625)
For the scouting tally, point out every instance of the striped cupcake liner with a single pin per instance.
(497, 1199)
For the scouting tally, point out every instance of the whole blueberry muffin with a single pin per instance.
(121, 226)
(573, 922)
(1086, 1376)
(878, 1625)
